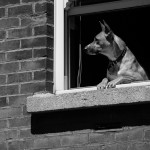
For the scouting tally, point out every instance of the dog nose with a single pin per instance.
(86, 47)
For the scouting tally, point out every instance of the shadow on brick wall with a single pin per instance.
(108, 117)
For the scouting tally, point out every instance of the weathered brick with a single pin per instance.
(3, 124)
(9, 67)
(18, 100)
(101, 138)
(3, 146)
(3, 102)
(19, 33)
(26, 144)
(8, 134)
(136, 134)
(37, 42)
(34, 87)
(43, 75)
(147, 134)
(53, 142)
(14, 145)
(19, 122)
(76, 139)
(139, 146)
(10, 112)
(3, 90)
(2, 57)
(20, 10)
(2, 12)
(19, 77)
(122, 136)
(45, 8)
(116, 147)
(19, 55)
(34, 21)
(43, 52)
(2, 79)
(12, 89)
(34, 65)
(10, 45)
(7, 2)
(2, 35)
(44, 30)
(25, 133)
(9, 23)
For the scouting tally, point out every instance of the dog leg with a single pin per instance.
(120, 80)
(103, 84)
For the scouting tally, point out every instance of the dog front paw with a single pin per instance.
(103, 84)
(111, 84)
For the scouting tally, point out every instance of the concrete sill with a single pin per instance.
(90, 97)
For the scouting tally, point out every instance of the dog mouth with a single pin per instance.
(92, 50)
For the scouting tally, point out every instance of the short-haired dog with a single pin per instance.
(123, 66)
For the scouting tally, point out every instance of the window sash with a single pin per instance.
(108, 6)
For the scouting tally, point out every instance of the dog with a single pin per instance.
(123, 66)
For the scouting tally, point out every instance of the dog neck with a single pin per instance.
(119, 58)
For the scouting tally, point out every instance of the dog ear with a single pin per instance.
(107, 28)
(102, 26)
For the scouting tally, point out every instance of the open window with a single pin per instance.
(127, 18)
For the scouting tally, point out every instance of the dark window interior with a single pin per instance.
(132, 25)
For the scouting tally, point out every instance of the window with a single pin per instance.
(127, 18)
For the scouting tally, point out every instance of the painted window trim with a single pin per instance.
(59, 78)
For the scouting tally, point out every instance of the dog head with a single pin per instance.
(104, 43)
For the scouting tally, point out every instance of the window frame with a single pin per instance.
(59, 36)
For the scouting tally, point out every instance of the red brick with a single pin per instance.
(33, 65)
(147, 134)
(43, 52)
(3, 146)
(53, 142)
(19, 33)
(136, 134)
(71, 140)
(12, 89)
(20, 122)
(10, 112)
(25, 133)
(44, 30)
(3, 102)
(2, 12)
(2, 57)
(43, 75)
(139, 146)
(20, 10)
(9, 23)
(116, 147)
(18, 100)
(2, 35)
(9, 67)
(7, 2)
(14, 145)
(45, 8)
(101, 138)
(2, 79)
(33, 87)
(10, 45)
(3, 124)
(19, 55)
(37, 42)
(3, 90)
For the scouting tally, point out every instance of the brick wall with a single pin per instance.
(26, 66)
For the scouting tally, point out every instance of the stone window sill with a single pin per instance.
(89, 97)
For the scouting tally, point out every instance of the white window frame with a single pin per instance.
(59, 5)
